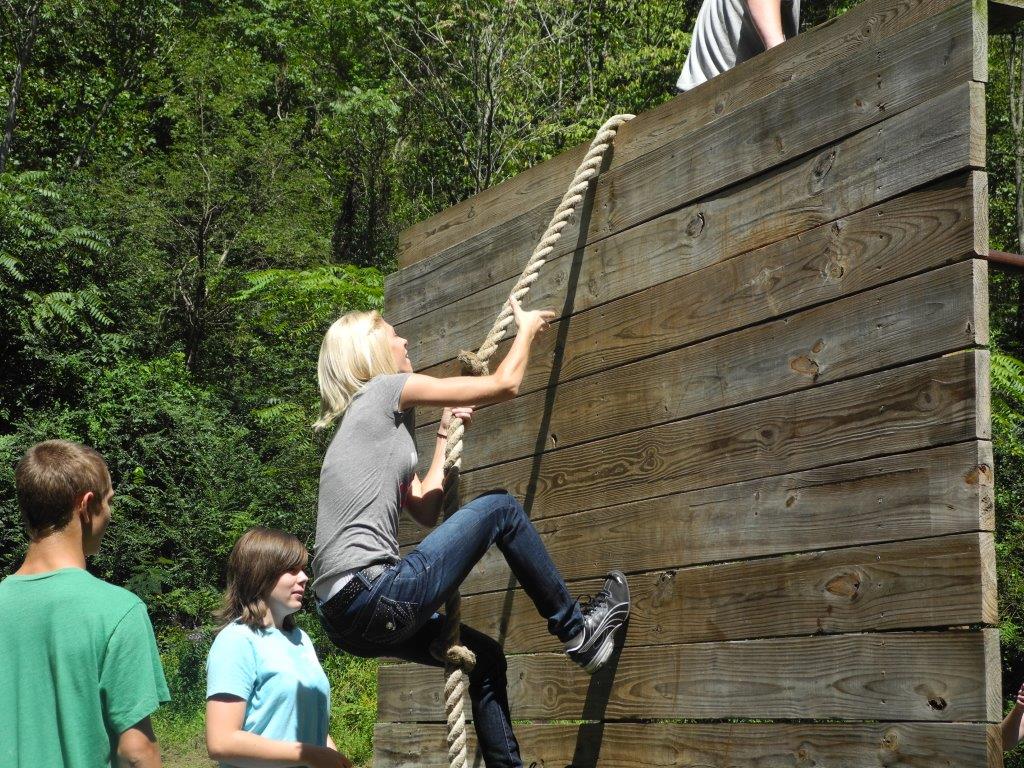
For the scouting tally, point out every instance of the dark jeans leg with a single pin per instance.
(445, 557)
(488, 688)
(397, 616)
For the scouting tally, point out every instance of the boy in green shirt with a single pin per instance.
(80, 672)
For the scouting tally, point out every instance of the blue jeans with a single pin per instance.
(398, 615)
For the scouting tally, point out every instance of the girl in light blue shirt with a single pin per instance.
(267, 698)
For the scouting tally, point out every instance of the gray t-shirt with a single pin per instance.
(366, 475)
(724, 36)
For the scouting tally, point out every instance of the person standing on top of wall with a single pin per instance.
(728, 32)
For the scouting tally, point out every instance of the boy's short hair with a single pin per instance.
(51, 476)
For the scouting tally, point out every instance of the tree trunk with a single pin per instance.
(24, 53)
(197, 317)
(107, 104)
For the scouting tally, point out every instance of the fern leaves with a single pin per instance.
(39, 247)
(1007, 377)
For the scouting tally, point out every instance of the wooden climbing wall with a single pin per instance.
(766, 400)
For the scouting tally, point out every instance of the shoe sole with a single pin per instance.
(603, 654)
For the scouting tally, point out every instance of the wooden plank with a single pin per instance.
(934, 492)
(923, 63)
(919, 230)
(924, 316)
(931, 403)
(904, 152)
(869, 23)
(713, 745)
(927, 676)
(927, 583)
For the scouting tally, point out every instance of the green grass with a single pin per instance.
(181, 738)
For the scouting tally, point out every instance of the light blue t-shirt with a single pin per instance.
(277, 673)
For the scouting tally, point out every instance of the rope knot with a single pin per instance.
(471, 364)
(460, 656)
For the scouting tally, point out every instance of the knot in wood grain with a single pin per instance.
(833, 270)
(823, 165)
(845, 585)
(930, 397)
(805, 366)
(765, 279)
(768, 436)
(988, 502)
(696, 225)
(890, 740)
(803, 755)
(664, 588)
(979, 475)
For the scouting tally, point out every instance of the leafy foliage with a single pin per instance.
(194, 191)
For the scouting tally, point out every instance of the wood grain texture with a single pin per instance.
(925, 583)
(926, 676)
(931, 314)
(904, 152)
(935, 492)
(917, 406)
(922, 229)
(886, 80)
(867, 24)
(713, 745)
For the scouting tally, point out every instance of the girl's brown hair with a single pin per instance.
(257, 561)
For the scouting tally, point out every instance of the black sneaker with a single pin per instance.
(602, 615)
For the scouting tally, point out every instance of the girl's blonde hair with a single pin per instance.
(257, 561)
(354, 350)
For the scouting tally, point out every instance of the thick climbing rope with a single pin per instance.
(459, 660)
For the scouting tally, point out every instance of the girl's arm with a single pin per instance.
(226, 741)
(499, 386)
(426, 495)
(461, 393)
(1011, 727)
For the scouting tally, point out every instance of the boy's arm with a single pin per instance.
(132, 686)
(136, 747)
